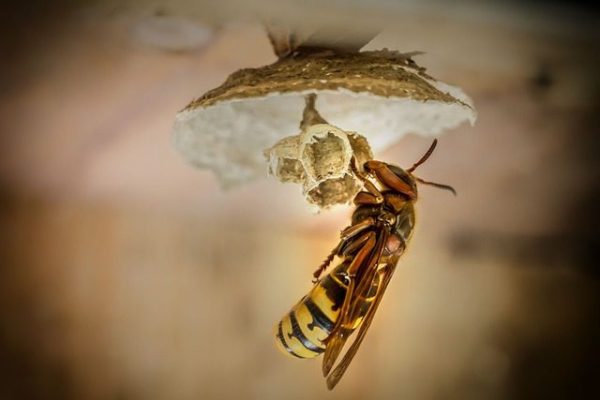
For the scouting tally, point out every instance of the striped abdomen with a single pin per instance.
(301, 332)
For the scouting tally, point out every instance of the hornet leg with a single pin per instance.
(346, 235)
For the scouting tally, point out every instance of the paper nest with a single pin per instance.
(383, 95)
(319, 158)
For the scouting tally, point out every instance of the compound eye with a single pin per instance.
(400, 173)
(405, 176)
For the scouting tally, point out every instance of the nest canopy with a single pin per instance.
(383, 95)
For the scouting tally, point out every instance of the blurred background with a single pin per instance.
(127, 274)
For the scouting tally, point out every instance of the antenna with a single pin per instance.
(425, 156)
(421, 161)
(437, 185)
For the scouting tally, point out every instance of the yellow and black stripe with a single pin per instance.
(301, 332)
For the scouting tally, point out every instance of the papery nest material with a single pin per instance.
(382, 94)
(320, 158)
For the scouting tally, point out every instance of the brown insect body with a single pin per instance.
(345, 299)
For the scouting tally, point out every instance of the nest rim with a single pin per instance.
(380, 73)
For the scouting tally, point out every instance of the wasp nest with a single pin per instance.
(384, 95)
(320, 159)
